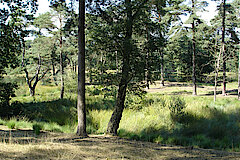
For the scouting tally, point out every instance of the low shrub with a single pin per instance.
(52, 127)
(176, 106)
(11, 124)
(2, 122)
(37, 127)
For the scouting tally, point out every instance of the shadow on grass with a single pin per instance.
(62, 112)
(177, 84)
(58, 111)
(35, 153)
(101, 147)
(229, 92)
(181, 93)
(218, 131)
(20, 136)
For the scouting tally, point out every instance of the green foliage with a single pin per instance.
(71, 82)
(188, 121)
(2, 122)
(11, 124)
(53, 127)
(176, 107)
(209, 127)
(6, 92)
(194, 121)
(37, 127)
(12, 33)
(61, 111)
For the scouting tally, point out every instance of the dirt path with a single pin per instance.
(24, 144)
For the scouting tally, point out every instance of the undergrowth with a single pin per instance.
(177, 120)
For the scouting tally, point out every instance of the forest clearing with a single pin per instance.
(146, 120)
(119, 79)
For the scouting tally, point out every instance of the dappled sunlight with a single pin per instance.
(69, 146)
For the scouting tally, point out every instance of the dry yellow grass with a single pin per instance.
(184, 88)
(24, 144)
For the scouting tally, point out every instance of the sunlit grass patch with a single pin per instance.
(196, 121)
(2, 122)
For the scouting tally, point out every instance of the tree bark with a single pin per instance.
(223, 47)
(162, 70)
(54, 74)
(81, 106)
(113, 124)
(62, 74)
(146, 61)
(239, 76)
(194, 53)
(32, 91)
(116, 62)
(61, 62)
(161, 53)
(216, 75)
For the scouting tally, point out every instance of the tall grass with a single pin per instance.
(203, 123)
(186, 120)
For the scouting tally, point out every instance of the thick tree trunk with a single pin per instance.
(81, 106)
(194, 53)
(223, 47)
(114, 122)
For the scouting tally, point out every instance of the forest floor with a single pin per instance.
(24, 144)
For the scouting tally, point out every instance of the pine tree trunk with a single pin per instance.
(114, 122)
(194, 54)
(81, 106)
(116, 63)
(146, 62)
(216, 76)
(147, 73)
(61, 70)
(215, 86)
(194, 62)
(61, 60)
(239, 76)
(54, 73)
(223, 47)
(161, 53)
(162, 70)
